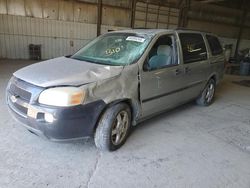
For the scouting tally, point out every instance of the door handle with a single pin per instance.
(177, 72)
(187, 70)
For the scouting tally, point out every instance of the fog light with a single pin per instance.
(48, 117)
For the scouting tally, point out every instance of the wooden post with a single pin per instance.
(183, 16)
(243, 18)
(179, 5)
(146, 19)
(133, 8)
(158, 12)
(185, 21)
(99, 17)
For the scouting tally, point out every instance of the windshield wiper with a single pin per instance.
(92, 61)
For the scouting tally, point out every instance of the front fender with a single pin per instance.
(124, 87)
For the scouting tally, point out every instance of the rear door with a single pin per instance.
(195, 63)
(217, 58)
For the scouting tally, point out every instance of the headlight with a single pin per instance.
(62, 96)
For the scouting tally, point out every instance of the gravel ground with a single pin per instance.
(190, 146)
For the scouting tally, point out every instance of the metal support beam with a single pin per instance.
(183, 17)
(133, 8)
(180, 17)
(158, 14)
(159, 2)
(179, 3)
(99, 17)
(211, 1)
(146, 19)
(169, 9)
(185, 23)
(243, 18)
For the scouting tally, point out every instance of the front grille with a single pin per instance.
(21, 93)
(21, 109)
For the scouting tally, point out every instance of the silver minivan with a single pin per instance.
(114, 82)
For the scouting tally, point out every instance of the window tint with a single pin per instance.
(214, 45)
(193, 47)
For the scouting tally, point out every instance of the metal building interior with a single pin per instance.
(189, 146)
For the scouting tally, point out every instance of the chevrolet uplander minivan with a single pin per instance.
(114, 82)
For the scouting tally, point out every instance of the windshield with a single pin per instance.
(116, 49)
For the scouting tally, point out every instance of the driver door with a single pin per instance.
(161, 78)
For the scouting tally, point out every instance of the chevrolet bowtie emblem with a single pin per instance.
(13, 98)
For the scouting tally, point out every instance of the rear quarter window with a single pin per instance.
(193, 47)
(214, 45)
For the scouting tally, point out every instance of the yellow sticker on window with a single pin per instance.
(111, 51)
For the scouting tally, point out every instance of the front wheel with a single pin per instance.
(113, 127)
(207, 95)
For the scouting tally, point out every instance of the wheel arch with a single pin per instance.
(132, 105)
(213, 76)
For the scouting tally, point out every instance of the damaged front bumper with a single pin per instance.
(67, 123)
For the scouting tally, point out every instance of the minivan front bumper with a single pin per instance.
(68, 122)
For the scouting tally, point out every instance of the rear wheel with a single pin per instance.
(113, 127)
(207, 95)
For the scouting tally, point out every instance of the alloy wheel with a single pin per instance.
(210, 92)
(120, 127)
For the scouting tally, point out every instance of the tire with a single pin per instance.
(207, 96)
(115, 121)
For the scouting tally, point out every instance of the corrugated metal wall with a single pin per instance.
(217, 19)
(56, 37)
(61, 27)
(154, 16)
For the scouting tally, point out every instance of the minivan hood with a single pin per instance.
(66, 71)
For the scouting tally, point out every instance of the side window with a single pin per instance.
(214, 45)
(163, 53)
(193, 47)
